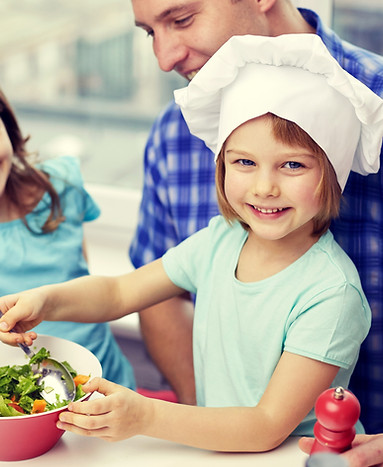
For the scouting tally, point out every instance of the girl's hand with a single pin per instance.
(121, 414)
(19, 313)
(366, 451)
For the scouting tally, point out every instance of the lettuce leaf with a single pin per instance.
(7, 411)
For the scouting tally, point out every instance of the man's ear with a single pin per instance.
(265, 5)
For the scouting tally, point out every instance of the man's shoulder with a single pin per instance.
(170, 132)
(171, 115)
(363, 64)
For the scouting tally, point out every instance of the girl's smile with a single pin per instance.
(267, 211)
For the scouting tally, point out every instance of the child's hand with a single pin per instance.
(121, 414)
(19, 313)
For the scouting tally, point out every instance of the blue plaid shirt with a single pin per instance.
(179, 198)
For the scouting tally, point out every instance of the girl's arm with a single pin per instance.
(86, 299)
(293, 389)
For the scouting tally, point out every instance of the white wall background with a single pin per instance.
(108, 240)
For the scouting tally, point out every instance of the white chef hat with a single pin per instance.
(294, 77)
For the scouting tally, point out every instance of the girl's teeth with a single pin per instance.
(268, 211)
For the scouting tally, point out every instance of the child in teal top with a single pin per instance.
(42, 211)
(323, 315)
(280, 313)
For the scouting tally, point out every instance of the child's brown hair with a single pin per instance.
(25, 179)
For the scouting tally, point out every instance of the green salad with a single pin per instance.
(20, 390)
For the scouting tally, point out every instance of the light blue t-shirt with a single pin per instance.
(33, 259)
(315, 308)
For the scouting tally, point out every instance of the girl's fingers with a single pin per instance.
(101, 386)
(93, 407)
(91, 423)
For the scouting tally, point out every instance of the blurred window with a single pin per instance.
(360, 23)
(83, 81)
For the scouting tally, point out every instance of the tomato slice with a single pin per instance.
(16, 407)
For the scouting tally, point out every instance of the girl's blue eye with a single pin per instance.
(293, 165)
(245, 162)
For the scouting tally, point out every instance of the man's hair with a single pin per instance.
(328, 188)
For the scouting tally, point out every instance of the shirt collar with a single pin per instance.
(331, 40)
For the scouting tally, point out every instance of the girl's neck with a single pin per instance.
(260, 258)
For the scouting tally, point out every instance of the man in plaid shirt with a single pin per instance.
(179, 191)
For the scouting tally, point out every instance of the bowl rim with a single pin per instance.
(41, 414)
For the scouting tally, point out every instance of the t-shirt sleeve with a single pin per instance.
(184, 262)
(189, 264)
(66, 177)
(331, 327)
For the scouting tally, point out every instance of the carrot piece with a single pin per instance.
(38, 406)
(80, 379)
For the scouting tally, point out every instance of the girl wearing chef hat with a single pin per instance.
(280, 312)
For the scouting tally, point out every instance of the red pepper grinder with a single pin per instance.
(337, 410)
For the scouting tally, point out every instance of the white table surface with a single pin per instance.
(75, 450)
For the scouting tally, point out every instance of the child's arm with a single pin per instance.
(296, 383)
(86, 299)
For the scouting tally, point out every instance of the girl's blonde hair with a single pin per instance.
(23, 177)
(328, 188)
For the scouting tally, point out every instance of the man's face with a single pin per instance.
(186, 33)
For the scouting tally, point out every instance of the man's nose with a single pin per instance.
(169, 51)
